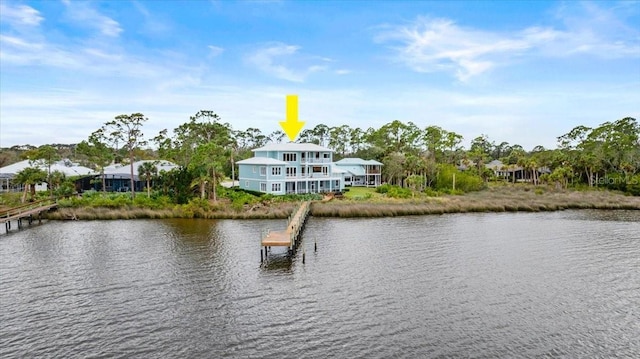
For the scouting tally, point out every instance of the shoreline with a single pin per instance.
(492, 200)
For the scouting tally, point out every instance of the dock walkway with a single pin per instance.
(28, 211)
(290, 236)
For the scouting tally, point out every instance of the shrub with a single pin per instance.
(633, 185)
(383, 188)
(431, 192)
(399, 192)
(465, 181)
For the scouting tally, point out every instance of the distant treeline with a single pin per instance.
(206, 149)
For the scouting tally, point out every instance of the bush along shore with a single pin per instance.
(356, 203)
(490, 200)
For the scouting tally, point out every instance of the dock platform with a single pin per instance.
(290, 236)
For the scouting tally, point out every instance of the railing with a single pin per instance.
(310, 175)
(26, 207)
(315, 160)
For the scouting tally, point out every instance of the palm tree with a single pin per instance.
(29, 177)
(148, 170)
(201, 182)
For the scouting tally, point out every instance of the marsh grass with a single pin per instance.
(103, 213)
(502, 198)
(494, 199)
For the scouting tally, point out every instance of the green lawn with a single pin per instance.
(361, 193)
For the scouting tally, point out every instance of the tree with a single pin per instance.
(277, 136)
(29, 177)
(200, 146)
(97, 152)
(48, 155)
(56, 178)
(127, 129)
(148, 170)
(321, 133)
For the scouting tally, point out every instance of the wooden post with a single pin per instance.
(261, 256)
(303, 255)
(454, 181)
(315, 245)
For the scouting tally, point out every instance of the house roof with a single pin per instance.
(353, 161)
(354, 170)
(64, 166)
(262, 161)
(494, 165)
(338, 170)
(123, 171)
(292, 146)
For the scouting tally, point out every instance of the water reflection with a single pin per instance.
(487, 285)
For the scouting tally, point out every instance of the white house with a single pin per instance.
(281, 168)
(361, 172)
(67, 167)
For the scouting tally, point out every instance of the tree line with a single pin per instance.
(205, 148)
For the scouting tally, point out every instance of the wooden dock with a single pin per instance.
(30, 212)
(290, 236)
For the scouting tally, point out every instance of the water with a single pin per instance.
(563, 284)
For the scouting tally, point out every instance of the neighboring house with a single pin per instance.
(513, 172)
(505, 171)
(70, 169)
(281, 168)
(361, 172)
(118, 177)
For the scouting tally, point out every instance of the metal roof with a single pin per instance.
(354, 170)
(293, 147)
(64, 166)
(354, 161)
(262, 161)
(124, 171)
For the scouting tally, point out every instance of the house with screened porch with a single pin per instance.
(283, 168)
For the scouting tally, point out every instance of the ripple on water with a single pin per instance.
(560, 284)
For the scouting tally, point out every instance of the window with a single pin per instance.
(263, 171)
(263, 187)
(291, 171)
(326, 156)
(303, 170)
(317, 169)
(289, 157)
(276, 171)
(254, 169)
(275, 187)
(246, 184)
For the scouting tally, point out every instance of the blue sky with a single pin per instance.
(518, 71)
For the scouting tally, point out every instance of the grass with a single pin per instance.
(362, 193)
(503, 198)
(280, 211)
(366, 202)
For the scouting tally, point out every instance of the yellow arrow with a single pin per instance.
(291, 125)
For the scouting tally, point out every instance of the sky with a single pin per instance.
(524, 72)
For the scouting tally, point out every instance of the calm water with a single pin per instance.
(563, 284)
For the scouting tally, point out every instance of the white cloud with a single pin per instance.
(441, 45)
(84, 15)
(284, 62)
(20, 15)
(265, 59)
(215, 51)
(432, 45)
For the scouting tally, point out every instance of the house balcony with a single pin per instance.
(315, 160)
(309, 176)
